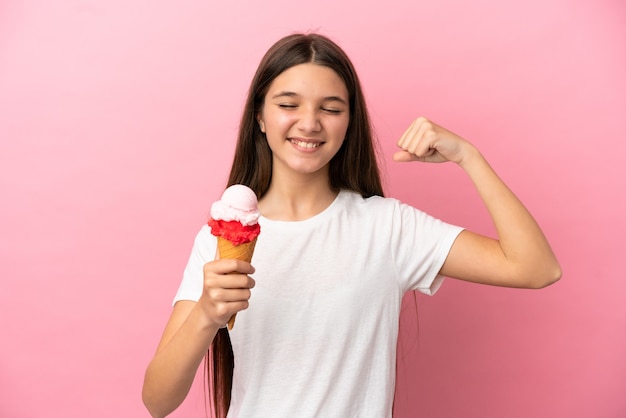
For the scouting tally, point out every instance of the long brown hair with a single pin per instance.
(354, 167)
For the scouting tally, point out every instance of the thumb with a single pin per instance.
(403, 156)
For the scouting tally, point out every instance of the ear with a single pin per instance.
(261, 123)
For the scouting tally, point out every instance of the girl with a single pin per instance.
(317, 327)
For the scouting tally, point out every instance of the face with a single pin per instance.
(305, 117)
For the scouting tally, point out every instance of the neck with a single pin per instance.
(296, 199)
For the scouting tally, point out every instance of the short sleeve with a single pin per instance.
(203, 251)
(422, 243)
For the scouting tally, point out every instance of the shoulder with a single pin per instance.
(378, 206)
(389, 210)
(204, 238)
(350, 199)
(204, 233)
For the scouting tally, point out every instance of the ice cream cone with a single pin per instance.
(239, 252)
(234, 221)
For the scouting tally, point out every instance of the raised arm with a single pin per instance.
(520, 256)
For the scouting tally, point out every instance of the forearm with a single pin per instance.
(170, 374)
(528, 256)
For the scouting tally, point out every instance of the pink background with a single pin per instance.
(117, 122)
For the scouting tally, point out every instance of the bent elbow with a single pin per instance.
(149, 406)
(148, 399)
(547, 278)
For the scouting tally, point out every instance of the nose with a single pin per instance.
(309, 120)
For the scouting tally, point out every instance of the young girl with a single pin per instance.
(317, 327)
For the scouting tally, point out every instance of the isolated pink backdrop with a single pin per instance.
(117, 122)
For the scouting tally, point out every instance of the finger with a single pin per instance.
(230, 281)
(427, 136)
(224, 311)
(408, 136)
(229, 295)
(238, 281)
(418, 138)
(414, 131)
(228, 265)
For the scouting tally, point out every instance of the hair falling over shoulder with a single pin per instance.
(354, 167)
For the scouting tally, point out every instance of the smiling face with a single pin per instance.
(305, 117)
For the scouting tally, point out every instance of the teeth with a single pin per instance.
(303, 144)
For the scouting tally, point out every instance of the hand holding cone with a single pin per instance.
(240, 252)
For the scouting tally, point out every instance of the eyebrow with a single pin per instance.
(293, 94)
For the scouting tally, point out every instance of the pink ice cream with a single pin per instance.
(235, 216)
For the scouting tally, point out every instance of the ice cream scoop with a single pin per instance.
(238, 203)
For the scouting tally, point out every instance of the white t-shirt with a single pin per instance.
(319, 338)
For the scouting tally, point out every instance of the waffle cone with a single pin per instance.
(239, 252)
